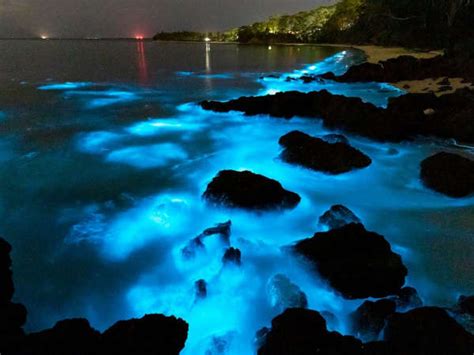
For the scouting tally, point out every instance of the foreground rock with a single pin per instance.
(450, 116)
(450, 174)
(249, 191)
(369, 319)
(319, 155)
(425, 331)
(338, 216)
(304, 332)
(153, 334)
(357, 263)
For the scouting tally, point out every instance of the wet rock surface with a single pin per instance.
(356, 262)
(338, 216)
(232, 256)
(369, 319)
(284, 294)
(249, 191)
(449, 174)
(403, 119)
(319, 155)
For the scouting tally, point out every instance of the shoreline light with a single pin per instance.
(44, 37)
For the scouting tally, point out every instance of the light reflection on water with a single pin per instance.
(126, 198)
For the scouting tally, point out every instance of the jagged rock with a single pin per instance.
(448, 173)
(319, 155)
(250, 191)
(201, 289)
(285, 294)
(369, 319)
(427, 331)
(196, 244)
(303, 332)
(357, 263)
(337, 217)
(152, 334)
(222, 229)
(232, 256)
(407, 298)
(72, 337)
(403, 119)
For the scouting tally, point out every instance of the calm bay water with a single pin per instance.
(104, 156)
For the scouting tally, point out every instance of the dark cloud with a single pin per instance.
(126, 17)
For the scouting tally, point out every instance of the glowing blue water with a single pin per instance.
(124, 198)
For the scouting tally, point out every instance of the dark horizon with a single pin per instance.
(127, 19)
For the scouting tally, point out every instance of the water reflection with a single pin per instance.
(142, 63)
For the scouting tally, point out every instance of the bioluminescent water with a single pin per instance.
(105, 155)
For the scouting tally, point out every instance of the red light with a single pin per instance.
(139, 38)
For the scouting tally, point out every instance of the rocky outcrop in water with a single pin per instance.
(284, 294)
(450, 116)
(426, 331)
(449, 174)
(369, 319)
(244, 189)
(319, 155)
(232, 256)
(338, 216)
(356, 262)
(152, 334)
(221, 230)
(304, 332)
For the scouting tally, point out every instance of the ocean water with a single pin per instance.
(104, 156)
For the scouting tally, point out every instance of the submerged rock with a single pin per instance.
(152, 334)
(192, 248)
(197, 244)
(222, 229)
(369, 319)
(201, 289)
(338, 216)
(249, 191)
(426, 331)
(232, 256)
(357, 263)
(285, 294)
(303, 332)
(449, 174)
(319, 155)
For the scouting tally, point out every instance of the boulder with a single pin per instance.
(407, 297)
(356, 262)
(152, 334)
(319, 155)
(196, 244)
(369, 319)
(427, 331)
(232, 256)
(449, 174)
(304, 332)
(284, 294)
(244, 189)
(338, 216)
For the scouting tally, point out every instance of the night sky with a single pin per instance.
(118, 18)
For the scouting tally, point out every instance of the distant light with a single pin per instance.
(139, 37)
(44, 37)
(269, 48)
(207, 39)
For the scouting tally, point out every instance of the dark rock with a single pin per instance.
(72, 337)
(335, 138)
(285, 294)
(152, 334)
(450, 174)
(466, 305)
(222, 229)
(232, 256)
(427, 331)
(357, 263)
(201, 289)
(444, 88)
(338, 216)
(6, 281)
(319, 155)
(12, 317)
(304, 332)
(250, 191)
(407, 298)
(403, 119)
(191, 249)
(369, 319)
